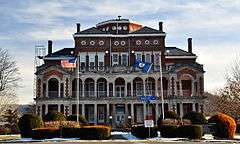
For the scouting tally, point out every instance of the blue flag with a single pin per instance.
(146, 67)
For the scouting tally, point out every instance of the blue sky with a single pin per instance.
(213, 25)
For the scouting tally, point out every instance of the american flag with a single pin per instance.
(69, 63)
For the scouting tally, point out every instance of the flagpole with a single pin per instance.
(77, 73)
(161, 83)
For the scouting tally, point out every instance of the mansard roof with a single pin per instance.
(174, 51)
(92, 30)
(146, 30)
(195, 66)
(65, 52)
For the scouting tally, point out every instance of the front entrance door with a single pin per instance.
(120, 114)
(120, 119)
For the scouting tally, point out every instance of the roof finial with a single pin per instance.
(119, 17)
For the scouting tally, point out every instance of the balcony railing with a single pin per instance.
(55, 94)
(184, 93)
(115, 68)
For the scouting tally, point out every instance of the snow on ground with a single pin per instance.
(126, 135)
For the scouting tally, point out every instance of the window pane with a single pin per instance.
(124, 60)
(148, 58)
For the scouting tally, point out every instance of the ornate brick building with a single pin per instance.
(109, 86)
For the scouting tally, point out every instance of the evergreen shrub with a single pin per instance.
(28, 122)
(224, 126)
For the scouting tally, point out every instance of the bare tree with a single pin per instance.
(227, 99)
(9, 80)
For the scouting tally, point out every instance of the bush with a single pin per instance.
(54, 116)
(168, 131)
(195, 117)
(82, 119)
(45, 133)
(28, 122)
(4, 130)
(95, 132)
(168, 115)
(190, 131)
(142, 132)
(224, 126)
(58, 124)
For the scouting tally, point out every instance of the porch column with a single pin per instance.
(193, 107)
(156, 87)
(175, 85)
(132, 88)
(144, 87)
(95, 88)
(46, 109)
(156, 112)
(125, 89)
(114, 89)
(132, 112)
(107, 88)
(193, 90)
(126, 112)
(181, 109)
(59, 89)
(83, 88)
(83, 110)
(59, 107)
(144, 111)
(180, 87)
(107, 116)
(95, 113)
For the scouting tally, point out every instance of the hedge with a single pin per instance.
(238, 128)
(54, 116)
(45, 133)
(82, 119)
(168, 131)
(86, 132)
(168, 115)
(95, 132)
(142, 132)
(224, 126)
(28, 122)
(190, 131)
(195, 117)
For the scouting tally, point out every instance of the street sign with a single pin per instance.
(148, 123)
(147, 98)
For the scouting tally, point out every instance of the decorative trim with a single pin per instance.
(180, 57)
(111, 35)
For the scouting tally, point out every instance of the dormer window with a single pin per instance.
(83, 42)
(119, 28)
(125, 28)
(114, 28)
(92, 43)
(147, 42)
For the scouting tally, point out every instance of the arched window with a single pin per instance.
(53, 88)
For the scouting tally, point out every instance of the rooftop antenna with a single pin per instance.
(119, 17)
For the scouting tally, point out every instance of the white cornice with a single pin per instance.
(56, 58)
(112, 21)
(180, 57)
(111, 35)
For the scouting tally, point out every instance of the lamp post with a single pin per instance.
(110, 120)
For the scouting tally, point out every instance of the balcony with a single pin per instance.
(114, 69)
(55, 94)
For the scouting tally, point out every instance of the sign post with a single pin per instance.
(148, 122)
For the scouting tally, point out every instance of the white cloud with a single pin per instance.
(55, 33)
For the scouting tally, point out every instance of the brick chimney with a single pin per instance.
(190, 45)
(160, 26)
(78, 27)
(49, 47)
